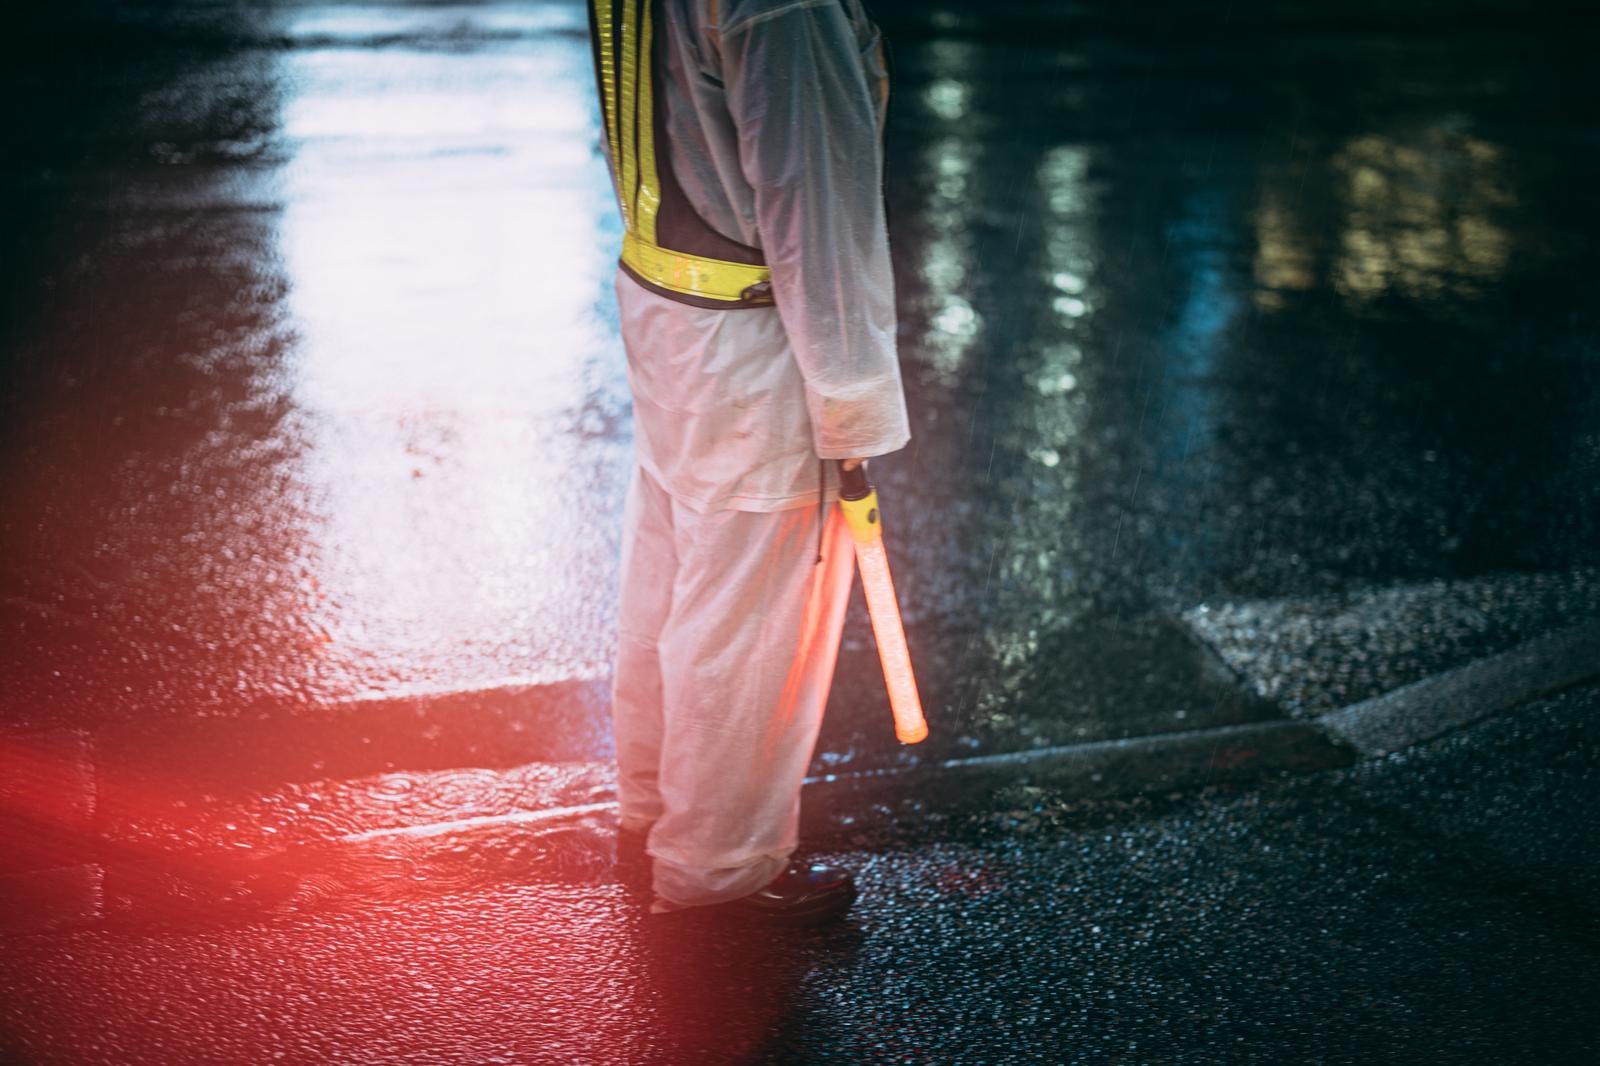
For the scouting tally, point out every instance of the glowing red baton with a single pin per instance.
(859, 501)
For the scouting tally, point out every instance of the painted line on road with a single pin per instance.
(1435, 705)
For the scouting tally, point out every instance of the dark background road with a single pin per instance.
(1252, 357)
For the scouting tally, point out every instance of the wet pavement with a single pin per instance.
(1251, 359)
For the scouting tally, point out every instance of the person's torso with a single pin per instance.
(672, 146)
(719, 409)
(703, 143)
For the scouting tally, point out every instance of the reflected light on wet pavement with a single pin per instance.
(392, 470)
(383, 466)
(443, 245)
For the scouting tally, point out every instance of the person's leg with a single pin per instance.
(649, 567)
(747, 657)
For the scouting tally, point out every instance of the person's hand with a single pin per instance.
(850, 464)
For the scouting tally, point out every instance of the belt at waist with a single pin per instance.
(714, 280)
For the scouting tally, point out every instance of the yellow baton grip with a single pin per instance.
(862, 517)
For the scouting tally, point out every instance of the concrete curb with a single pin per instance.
(1095, 770)
(1454, 698)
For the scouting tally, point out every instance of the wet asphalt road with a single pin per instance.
(1432, 907)
(1252, 361)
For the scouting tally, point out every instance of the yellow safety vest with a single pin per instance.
(666, 246)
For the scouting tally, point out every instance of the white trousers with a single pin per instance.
(728, 636)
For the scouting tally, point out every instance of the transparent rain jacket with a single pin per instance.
(775, 120)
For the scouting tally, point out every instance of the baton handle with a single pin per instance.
(854, 484)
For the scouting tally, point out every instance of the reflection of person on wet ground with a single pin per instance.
(757, 310)
(735, 994)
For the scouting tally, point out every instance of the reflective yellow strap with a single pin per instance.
(649, 184)
(608, 82)
(629, 164)
(692, 275)
(630, 127)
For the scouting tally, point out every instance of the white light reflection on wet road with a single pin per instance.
(444, 237)
(950, 161)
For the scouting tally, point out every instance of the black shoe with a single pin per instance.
(633, 862)
(804, 894)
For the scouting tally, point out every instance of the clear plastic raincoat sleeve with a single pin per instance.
(807, 96)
